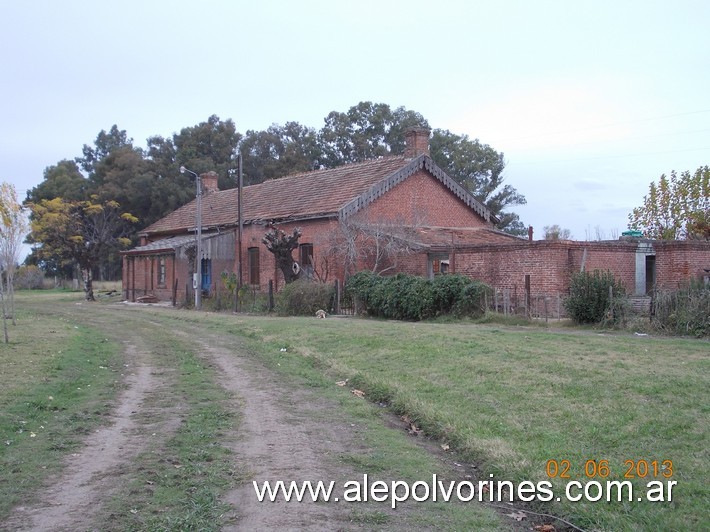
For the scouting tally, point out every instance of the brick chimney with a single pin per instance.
(209, 182)
(417, 142)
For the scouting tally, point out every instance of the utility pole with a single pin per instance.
(198, 254)
(239, 233)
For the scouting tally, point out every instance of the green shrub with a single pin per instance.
(472, 300)
(447, 291)
(303, 298)
(407, 297)
(589, 301)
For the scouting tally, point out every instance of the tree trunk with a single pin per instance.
(88, 285)
(282, 245)
(4, 314)
(286, 263)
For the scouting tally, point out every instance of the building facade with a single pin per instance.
(392, 214)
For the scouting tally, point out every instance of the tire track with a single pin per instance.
(280, 438)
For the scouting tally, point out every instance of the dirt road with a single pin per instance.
(284, 432)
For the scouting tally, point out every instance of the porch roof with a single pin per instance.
(168, 245)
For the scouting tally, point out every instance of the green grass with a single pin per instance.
(506, 398)
(379, 451)
(512, 399)
(59, 378)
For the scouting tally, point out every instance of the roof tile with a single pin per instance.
(312, 194)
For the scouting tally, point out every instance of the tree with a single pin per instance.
(479, 169)
(82, 232)
(678, 207)
(125, 176)
(366, 131)
(282, 246)
(210, 145)
(104, 144)
(13, 227)
(555, 232)
(279, 151)
(62, 180)
(375, 245)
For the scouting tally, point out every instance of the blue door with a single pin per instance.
(206, 275)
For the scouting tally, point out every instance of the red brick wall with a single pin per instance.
(319, 233)
(617, 257)
(676, 262)
(141, 276)
(421, 200)
(549, 264)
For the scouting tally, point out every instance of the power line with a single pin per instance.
(615, 156)
(612, 124)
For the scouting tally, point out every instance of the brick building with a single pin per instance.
(405, 205)
(404, 202)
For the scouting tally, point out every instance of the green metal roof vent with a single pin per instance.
(634, 234)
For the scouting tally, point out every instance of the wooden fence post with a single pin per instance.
(271, 295)
(528, 314)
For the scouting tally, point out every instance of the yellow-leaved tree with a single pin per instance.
(79, 232)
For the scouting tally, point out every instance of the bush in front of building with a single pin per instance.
(595, 297)
(407, 297)
(304, 297)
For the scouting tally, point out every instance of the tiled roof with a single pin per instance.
(332, 192)
(446, 237)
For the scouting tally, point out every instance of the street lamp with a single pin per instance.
(198, 255)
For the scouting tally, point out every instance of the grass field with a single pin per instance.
(58, 380)
(508, 399)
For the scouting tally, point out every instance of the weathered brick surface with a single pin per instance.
(551, 264)
(421, 201)
(676, 262)
(320, 233)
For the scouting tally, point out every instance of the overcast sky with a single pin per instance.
(589, 100)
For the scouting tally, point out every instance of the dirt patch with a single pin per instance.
(89, 474)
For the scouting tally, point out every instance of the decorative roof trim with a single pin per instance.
(423, 162)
